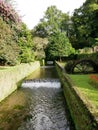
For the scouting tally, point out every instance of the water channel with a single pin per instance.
(38, 105)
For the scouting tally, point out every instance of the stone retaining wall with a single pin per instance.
(81, 116)
(9, 78)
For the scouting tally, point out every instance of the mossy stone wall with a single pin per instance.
(81, 116)
(9, 78)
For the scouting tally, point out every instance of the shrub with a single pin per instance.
(68, 66)
(8, 13)
(25, 42)
(94, 80)
(9, 50)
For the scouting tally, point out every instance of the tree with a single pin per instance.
(85, 26)
(25, 42)
(9, 49)
(53, 20)
(8, 13)
(58, 46)
(16, 43)
(39, 47)
(40, 30)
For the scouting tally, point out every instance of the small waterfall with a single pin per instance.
(36, 83)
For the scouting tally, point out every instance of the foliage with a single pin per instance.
(59, 46)
(84, 25)
(25, 43)
(16, 44)
(39, 46)
(53, 26)
(40, 30)
(54, 20)
(68, 66)
(8, 13)
(16, 40)
(93, 80)
(9, 49)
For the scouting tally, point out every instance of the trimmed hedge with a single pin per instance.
(81, 116)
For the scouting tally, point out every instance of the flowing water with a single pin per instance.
(38, 105)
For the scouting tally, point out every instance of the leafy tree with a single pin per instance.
(59, 46)
(51, 25)
(9, 50)
(8, 13)
(16, 40)
(39, 47)
(25, 43)
(85, 26)
(53, 20)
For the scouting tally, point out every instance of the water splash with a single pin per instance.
(36, 83)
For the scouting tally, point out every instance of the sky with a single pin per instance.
(31, 11)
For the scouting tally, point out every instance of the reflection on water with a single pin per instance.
(44, 72)
(32, 108)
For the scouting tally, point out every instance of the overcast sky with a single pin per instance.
(33, 10)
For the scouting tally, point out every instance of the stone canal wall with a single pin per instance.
(81, 116)
(10, 77)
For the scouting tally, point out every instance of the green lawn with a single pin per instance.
(88, 91)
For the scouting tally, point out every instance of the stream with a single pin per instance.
(38, 105)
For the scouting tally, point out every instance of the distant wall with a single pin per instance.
(81, 116)
(9, 78)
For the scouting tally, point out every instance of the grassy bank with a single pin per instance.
(11, 76)
(87, 91)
